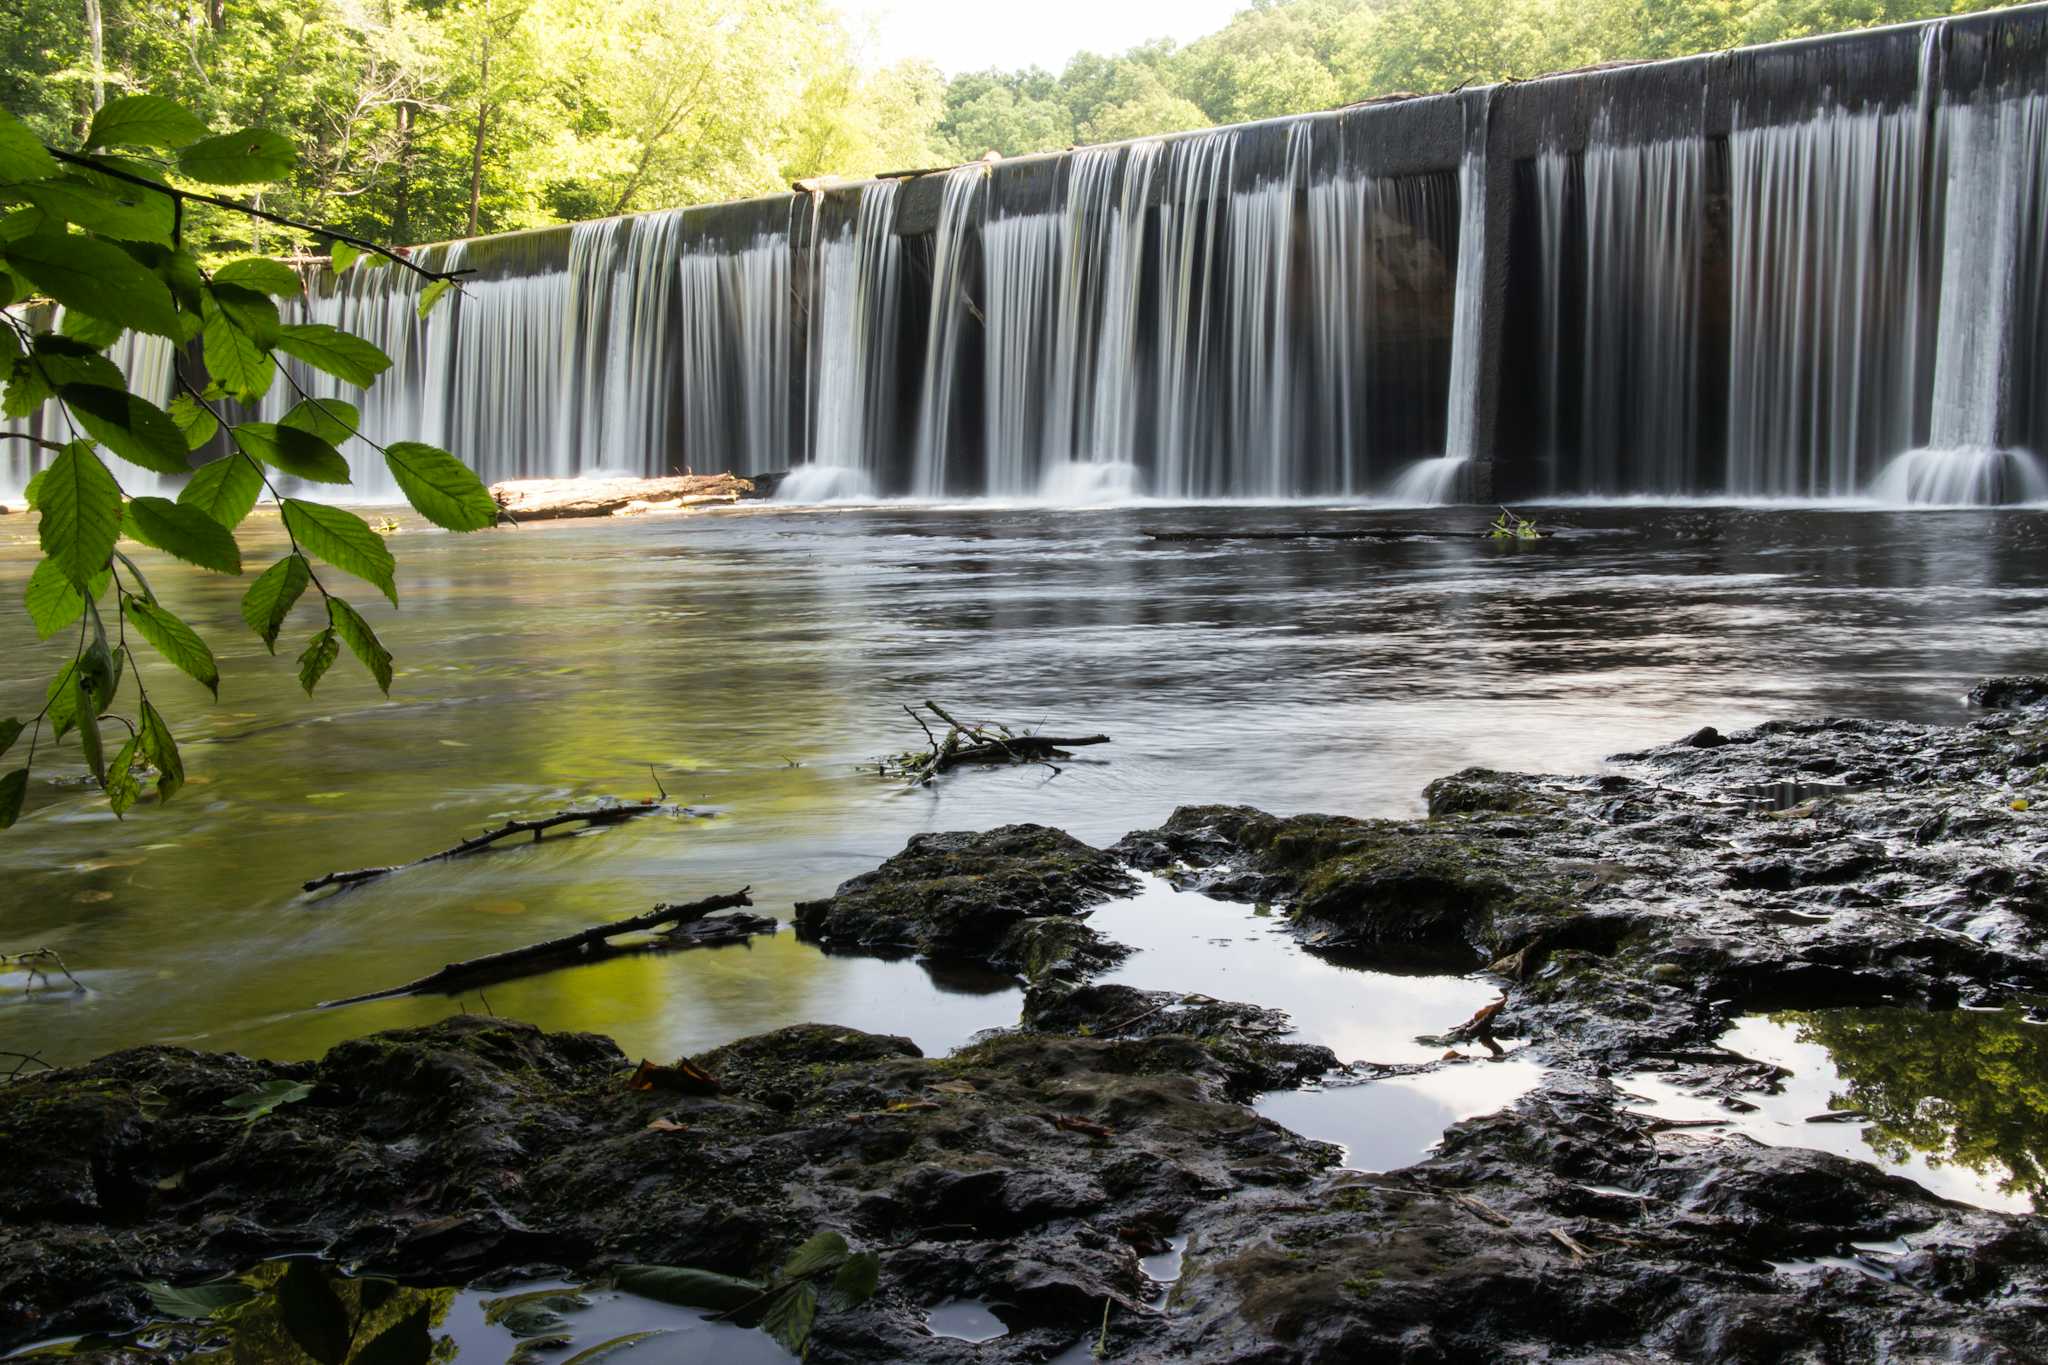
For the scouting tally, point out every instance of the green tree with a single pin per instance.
(98, 231)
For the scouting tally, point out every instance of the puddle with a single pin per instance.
(1952, 1099)
(1386, 1124)
(1163, 1269)
(540, 1323)
(1194, 944)
(965, 1320)
(1766, 798)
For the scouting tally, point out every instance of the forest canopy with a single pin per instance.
(421, 120)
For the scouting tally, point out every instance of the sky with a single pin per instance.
(968, 35)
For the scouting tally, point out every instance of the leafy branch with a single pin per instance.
(99, 233)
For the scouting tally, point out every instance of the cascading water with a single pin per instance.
(855, 308)
(1774, 273)
(950, 315)
(1443, 478)
(1994, 246)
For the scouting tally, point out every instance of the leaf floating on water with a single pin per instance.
(605, 1350)
(196, 1301)
(268, 1096)
(688, 1287)
(683, 1078)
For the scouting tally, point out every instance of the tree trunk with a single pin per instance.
(483, 124)
(217, 15)
(95, 37)
(401, 212)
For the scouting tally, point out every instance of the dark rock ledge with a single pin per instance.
(1627, 916)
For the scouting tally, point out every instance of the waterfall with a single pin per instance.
(1816, 270)
(1186, 436)
(949, 318)
(1020, 266)
(1994, 245)
(854, 312)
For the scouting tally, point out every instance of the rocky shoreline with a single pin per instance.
(1628, 919)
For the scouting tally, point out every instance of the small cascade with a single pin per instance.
(1188, 449)
(1639, 410)
(1433, 482)
(1020, 259)
(1992, 248)
(765, 360)
(1087, 482)
(1097, 384)
(854, 311)
(949, 320)
(816, 483)
(1468, 316)
(1260, 360)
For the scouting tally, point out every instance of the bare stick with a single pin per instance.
(591, 816)
(583, 945)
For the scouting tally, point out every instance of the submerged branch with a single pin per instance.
(689, 928)
(588, 816)
(985, 743)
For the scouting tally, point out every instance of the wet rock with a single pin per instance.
(2028, 689)
(968, 896)
(1706, 737)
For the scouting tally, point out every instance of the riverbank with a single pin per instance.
(1628, 920)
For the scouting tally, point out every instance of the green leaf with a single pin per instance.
(432, 295)
(790, 1315)
(10, 730)
(22, 154)
(134, 428)
(81, 513)
(13, 795)
(184, 531)
(175, 640)
(272, 596)
(56, 360)
(263, 275)
(233, 358)
(89, 738)
(294, 450)
(160, 751)
(355, 632)
(344, 540)
(97, 333)
(318, 657)
(340, 256)
(102, 204)
(62, 698)
(687, 1287)
(249, 309)
(195, 420)
(254, 156)
(440, 487)
(53, 603)
(198, 1301)
(348, 358)
(826, 1251)
(332, 420)
(144, 121)
(856, 1281)
(224, 489)
(617, 1346)
(123, 791)
(94, 277)
(254, 1104)
(312, 1313)
(405, 1342)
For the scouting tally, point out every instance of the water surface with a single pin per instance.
(757, 661)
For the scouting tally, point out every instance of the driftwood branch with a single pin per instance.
(588, 816)
(688, 927)
(37, 962)
(983, 743)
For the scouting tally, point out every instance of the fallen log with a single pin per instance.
(616, 813)
(984, 743)
(524, 500)
(691, 928)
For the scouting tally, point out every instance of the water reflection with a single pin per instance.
(1957, 1100)
(758, 659)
